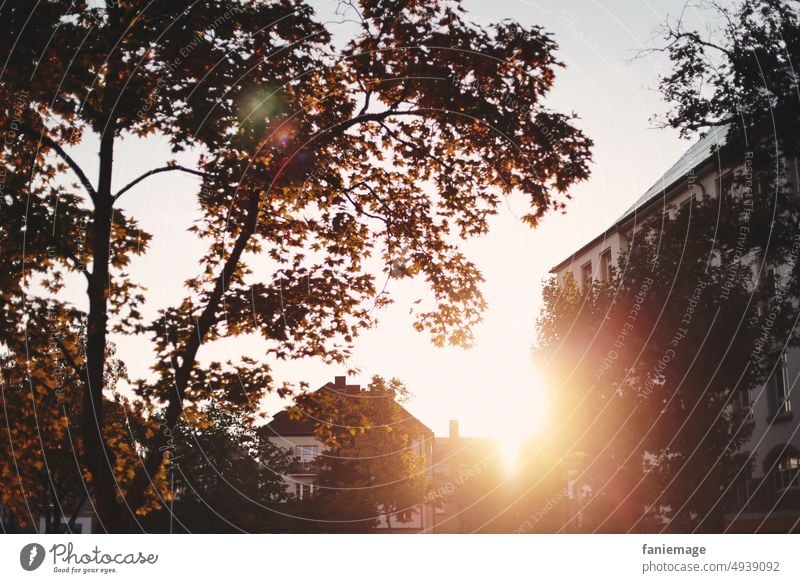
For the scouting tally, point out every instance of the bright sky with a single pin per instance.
(492, 389)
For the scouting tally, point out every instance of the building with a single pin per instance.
(463, 492)
(85, 521)
(775, 441)
(298, 436)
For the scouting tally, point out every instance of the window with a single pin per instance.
(586, 274)
(725, 186)
(606, 265)
(404, 516)
(787, 472)
(744, 401)
(742, 492)
(772, 283)
(306, 453)
(686, 206)
(780, 407)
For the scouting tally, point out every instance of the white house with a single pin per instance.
(298, 435)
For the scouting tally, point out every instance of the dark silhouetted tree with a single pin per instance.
(311, 158)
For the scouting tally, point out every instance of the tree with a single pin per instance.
(310, 160)
(374, 466)
(741, 76)
(41, 475)
(225, 476)
(651, 367)
(648, 370)
(470, 485)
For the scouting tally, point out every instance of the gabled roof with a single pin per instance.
(282, 425)
(697, 155)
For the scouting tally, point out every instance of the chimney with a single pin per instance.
(340, 386)
(454, 429)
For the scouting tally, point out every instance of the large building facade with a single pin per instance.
(769, 497)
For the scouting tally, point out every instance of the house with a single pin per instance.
(298, 436)
(86, 521)
(464, 476)
(775, 441)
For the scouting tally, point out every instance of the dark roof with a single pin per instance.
(282, 425)
(697, 155)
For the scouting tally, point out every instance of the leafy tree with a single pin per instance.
(648, 371)
(652, 367)
(225, 476)
(470, 484)
(370, 470)
(41, 475)
(741, 76)
(745, 63)
(310, 160)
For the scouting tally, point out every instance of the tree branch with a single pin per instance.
(695, 37)
(379, 116)
(50, 143)
(359, 208)
(416, 147)
(149, 173)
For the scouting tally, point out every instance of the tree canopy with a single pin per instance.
(316, 157)
(374, 469)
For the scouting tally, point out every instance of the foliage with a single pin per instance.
(740, 75)
(649, 370)
(225, 476)
(41, 475)
(374, 466)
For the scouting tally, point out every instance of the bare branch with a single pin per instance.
(55, 146)
(149, 173)
(358, 207)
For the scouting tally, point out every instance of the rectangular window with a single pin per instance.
(725, 186)
(686, 206)
(772, 282)
(742, 492)
(780, 407)
(605, 265)
(787, 473)
(744, 400)
(404, 515)
(586, 274)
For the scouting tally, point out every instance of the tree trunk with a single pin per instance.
(135, 495)
(99, 457)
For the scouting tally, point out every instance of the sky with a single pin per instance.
(491, 389)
